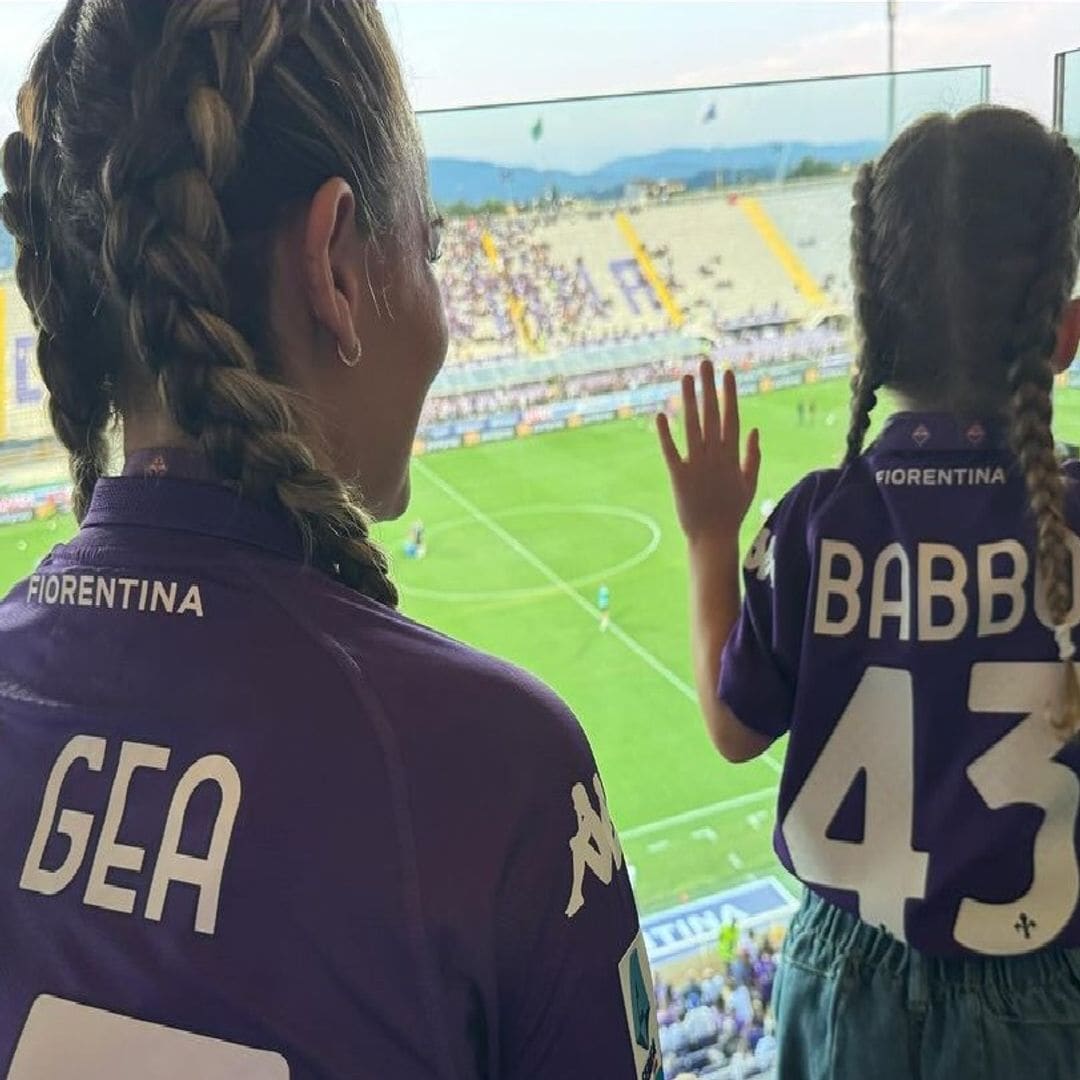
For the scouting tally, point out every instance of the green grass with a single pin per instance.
(23, 546)
(520, 534)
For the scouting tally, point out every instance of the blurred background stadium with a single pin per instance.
(596, 249)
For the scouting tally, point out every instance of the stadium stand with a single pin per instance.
(716, 1022)
(570, 299)
(716, 263)
(29, 456)
(22, 409)
(518, 387)
(815, 219)
(538, 281)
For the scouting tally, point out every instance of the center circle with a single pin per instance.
(538, 591)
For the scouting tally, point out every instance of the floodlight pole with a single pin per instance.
(890, 9)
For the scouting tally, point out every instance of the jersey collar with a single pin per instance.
(930, 432)
(176, 490)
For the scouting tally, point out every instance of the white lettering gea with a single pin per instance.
(110, 852)
(930, 572)
(204, 872)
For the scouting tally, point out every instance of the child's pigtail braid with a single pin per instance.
(1030, 378)
(867, 378)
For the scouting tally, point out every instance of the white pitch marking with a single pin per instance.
(540, 591)
(701, 812)
(541, 567)
(657, 846)
(706, 832)
(735, 861)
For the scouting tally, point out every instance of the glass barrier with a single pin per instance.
(708, 211)
(593, 251)
(1067, 95)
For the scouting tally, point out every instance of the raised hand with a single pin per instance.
(713, 489)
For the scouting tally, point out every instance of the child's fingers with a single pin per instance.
(690, 416)
(667, 442)
(710, 405)
(751, 466)
(731, 412)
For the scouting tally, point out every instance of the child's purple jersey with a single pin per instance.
(254, 825)
(892, 626)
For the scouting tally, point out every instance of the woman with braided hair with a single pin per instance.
(908, 620)
(255, 823)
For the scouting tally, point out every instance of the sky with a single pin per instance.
(467, 52)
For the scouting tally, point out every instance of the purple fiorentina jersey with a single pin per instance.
(891, 624)
(253, 825)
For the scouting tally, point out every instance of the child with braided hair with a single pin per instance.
(908, 620)
(255, 822)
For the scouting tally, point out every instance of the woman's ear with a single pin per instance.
(1068, 339)
(334, 264)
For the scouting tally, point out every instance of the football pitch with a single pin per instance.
(520, 536)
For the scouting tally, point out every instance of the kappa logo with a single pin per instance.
(759, 559)
(595, 845)
(157, 467)
(975, 434)
(921, 435)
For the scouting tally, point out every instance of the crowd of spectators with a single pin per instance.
(743, 352)
(504, 289)
(716, 1024)
(507, 293)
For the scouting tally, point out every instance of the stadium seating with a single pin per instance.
(815, 217)
(716, 1023)
(531, 282)
(715, 262)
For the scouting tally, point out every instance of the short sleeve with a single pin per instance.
(576, 994)
(761, 658)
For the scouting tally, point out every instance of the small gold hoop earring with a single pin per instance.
(353, 358)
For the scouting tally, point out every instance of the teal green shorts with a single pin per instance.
(853, 1003)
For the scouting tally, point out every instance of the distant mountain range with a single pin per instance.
(461, 180)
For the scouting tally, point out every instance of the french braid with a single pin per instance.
(178, 131)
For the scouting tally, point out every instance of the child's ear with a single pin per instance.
(1068, 336)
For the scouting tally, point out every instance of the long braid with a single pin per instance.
(869, 363)
(164, 248)
(74, 366)
(1030, 381)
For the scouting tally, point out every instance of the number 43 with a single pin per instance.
(876, 734)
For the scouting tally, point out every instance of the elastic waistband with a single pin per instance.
(823, 933)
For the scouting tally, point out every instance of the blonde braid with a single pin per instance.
(164, 248)
(1030, 379)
